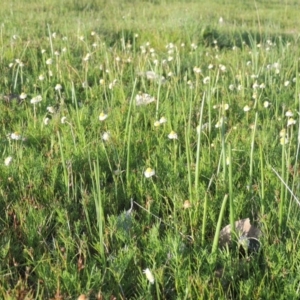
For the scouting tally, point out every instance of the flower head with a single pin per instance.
(51, 109)
(36, 99)
(173, 135)
(102, 116)
(149, 275)
(63, 120)
(246, 108)
(16, 136)
(284, 140)
(206, 80)
(162, 120)
(58, 87)
(23, 96)
(46, 121)
(8, 160)
(291, 121)
(149, 173)
(105, 136)
(143, 99)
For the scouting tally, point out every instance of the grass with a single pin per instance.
(79, 216)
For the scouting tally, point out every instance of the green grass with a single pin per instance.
(79, 216)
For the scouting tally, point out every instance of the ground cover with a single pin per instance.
(132, 132)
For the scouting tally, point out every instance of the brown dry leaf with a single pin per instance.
(242, 227)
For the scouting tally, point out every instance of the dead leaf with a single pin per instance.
(243, 228)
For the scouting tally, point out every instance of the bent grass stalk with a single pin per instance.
(282, 190)
(198, 148)
(230, 183)
(262, 188)
(218, 229)
(97, 195)
(252, 151)
(65, 172)
(205, 210)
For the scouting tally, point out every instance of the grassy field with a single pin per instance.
(132, 132)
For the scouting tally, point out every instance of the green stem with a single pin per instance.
(218, 229)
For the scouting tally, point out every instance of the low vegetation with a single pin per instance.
(132, 133)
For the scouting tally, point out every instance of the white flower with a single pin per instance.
(172, 135)
(63, 120)
(286, 83)
(8, 160)
(255, 85)
(282, 132)
(291, 121)
(41, 77)
(16, 136)
(284, 140)
(206, 80)
(197, 70)
(23, 96)
(87, 57)
(105, 136)
(143, 99)
(49, 61)
(36, 99)
(51, 109)
(231, 87)
(102, 116)
(151, 75)
(266, 104)
(58, 87)
(194, 46)
(162, 120)
(149, 173)
(222, 68)
(246, 108)
(289, 113)
(46, 121)
(225, 106)
(156, 123)
(149, 275)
